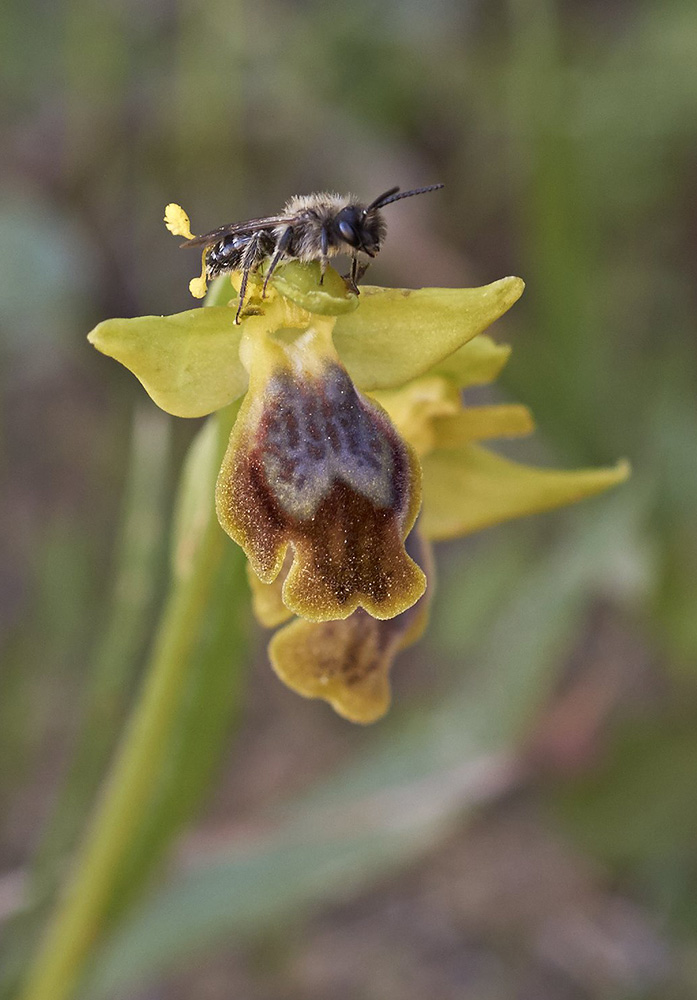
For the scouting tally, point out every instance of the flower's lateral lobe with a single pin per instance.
(267, 598)
(315, 465)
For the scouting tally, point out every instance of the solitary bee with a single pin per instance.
(310, 227)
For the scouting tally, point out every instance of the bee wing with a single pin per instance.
(235, 229)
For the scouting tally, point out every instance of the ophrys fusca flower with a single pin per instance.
(352, 452)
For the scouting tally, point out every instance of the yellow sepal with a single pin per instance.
(470, 488)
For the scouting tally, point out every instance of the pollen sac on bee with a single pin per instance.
(314, 465)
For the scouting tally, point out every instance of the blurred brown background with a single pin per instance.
(541, 759)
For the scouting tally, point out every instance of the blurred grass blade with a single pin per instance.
(413, 781)
(650, 761)
(144, 800)
(565, 364)
(118, 655)
(325, 855)
(137, 565)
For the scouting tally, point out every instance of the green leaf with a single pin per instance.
(640, 806)
(266, 883)
(398, 334)
(420, 774)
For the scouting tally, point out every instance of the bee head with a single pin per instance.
(362, 229)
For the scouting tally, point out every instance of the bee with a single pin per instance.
(310, 227)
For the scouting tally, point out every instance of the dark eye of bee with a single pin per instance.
(348, 233)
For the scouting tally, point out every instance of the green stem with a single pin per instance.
(79, 918)
(123, 644)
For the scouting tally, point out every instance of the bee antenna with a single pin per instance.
(382, 199)
(389, 196)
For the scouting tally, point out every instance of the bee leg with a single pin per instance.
(357, 272)
(243, 289)
(324, 251)
(354, 274)
(248, 263)
(279, 252)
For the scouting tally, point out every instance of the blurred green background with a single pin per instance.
(524, 823)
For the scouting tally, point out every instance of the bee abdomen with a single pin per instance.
(228, 253)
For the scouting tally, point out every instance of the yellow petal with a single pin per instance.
(475, 363)
(468, 489)
(414, 408)
(177, 221)
(478, 423)
(348, 662)
(398, 334)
